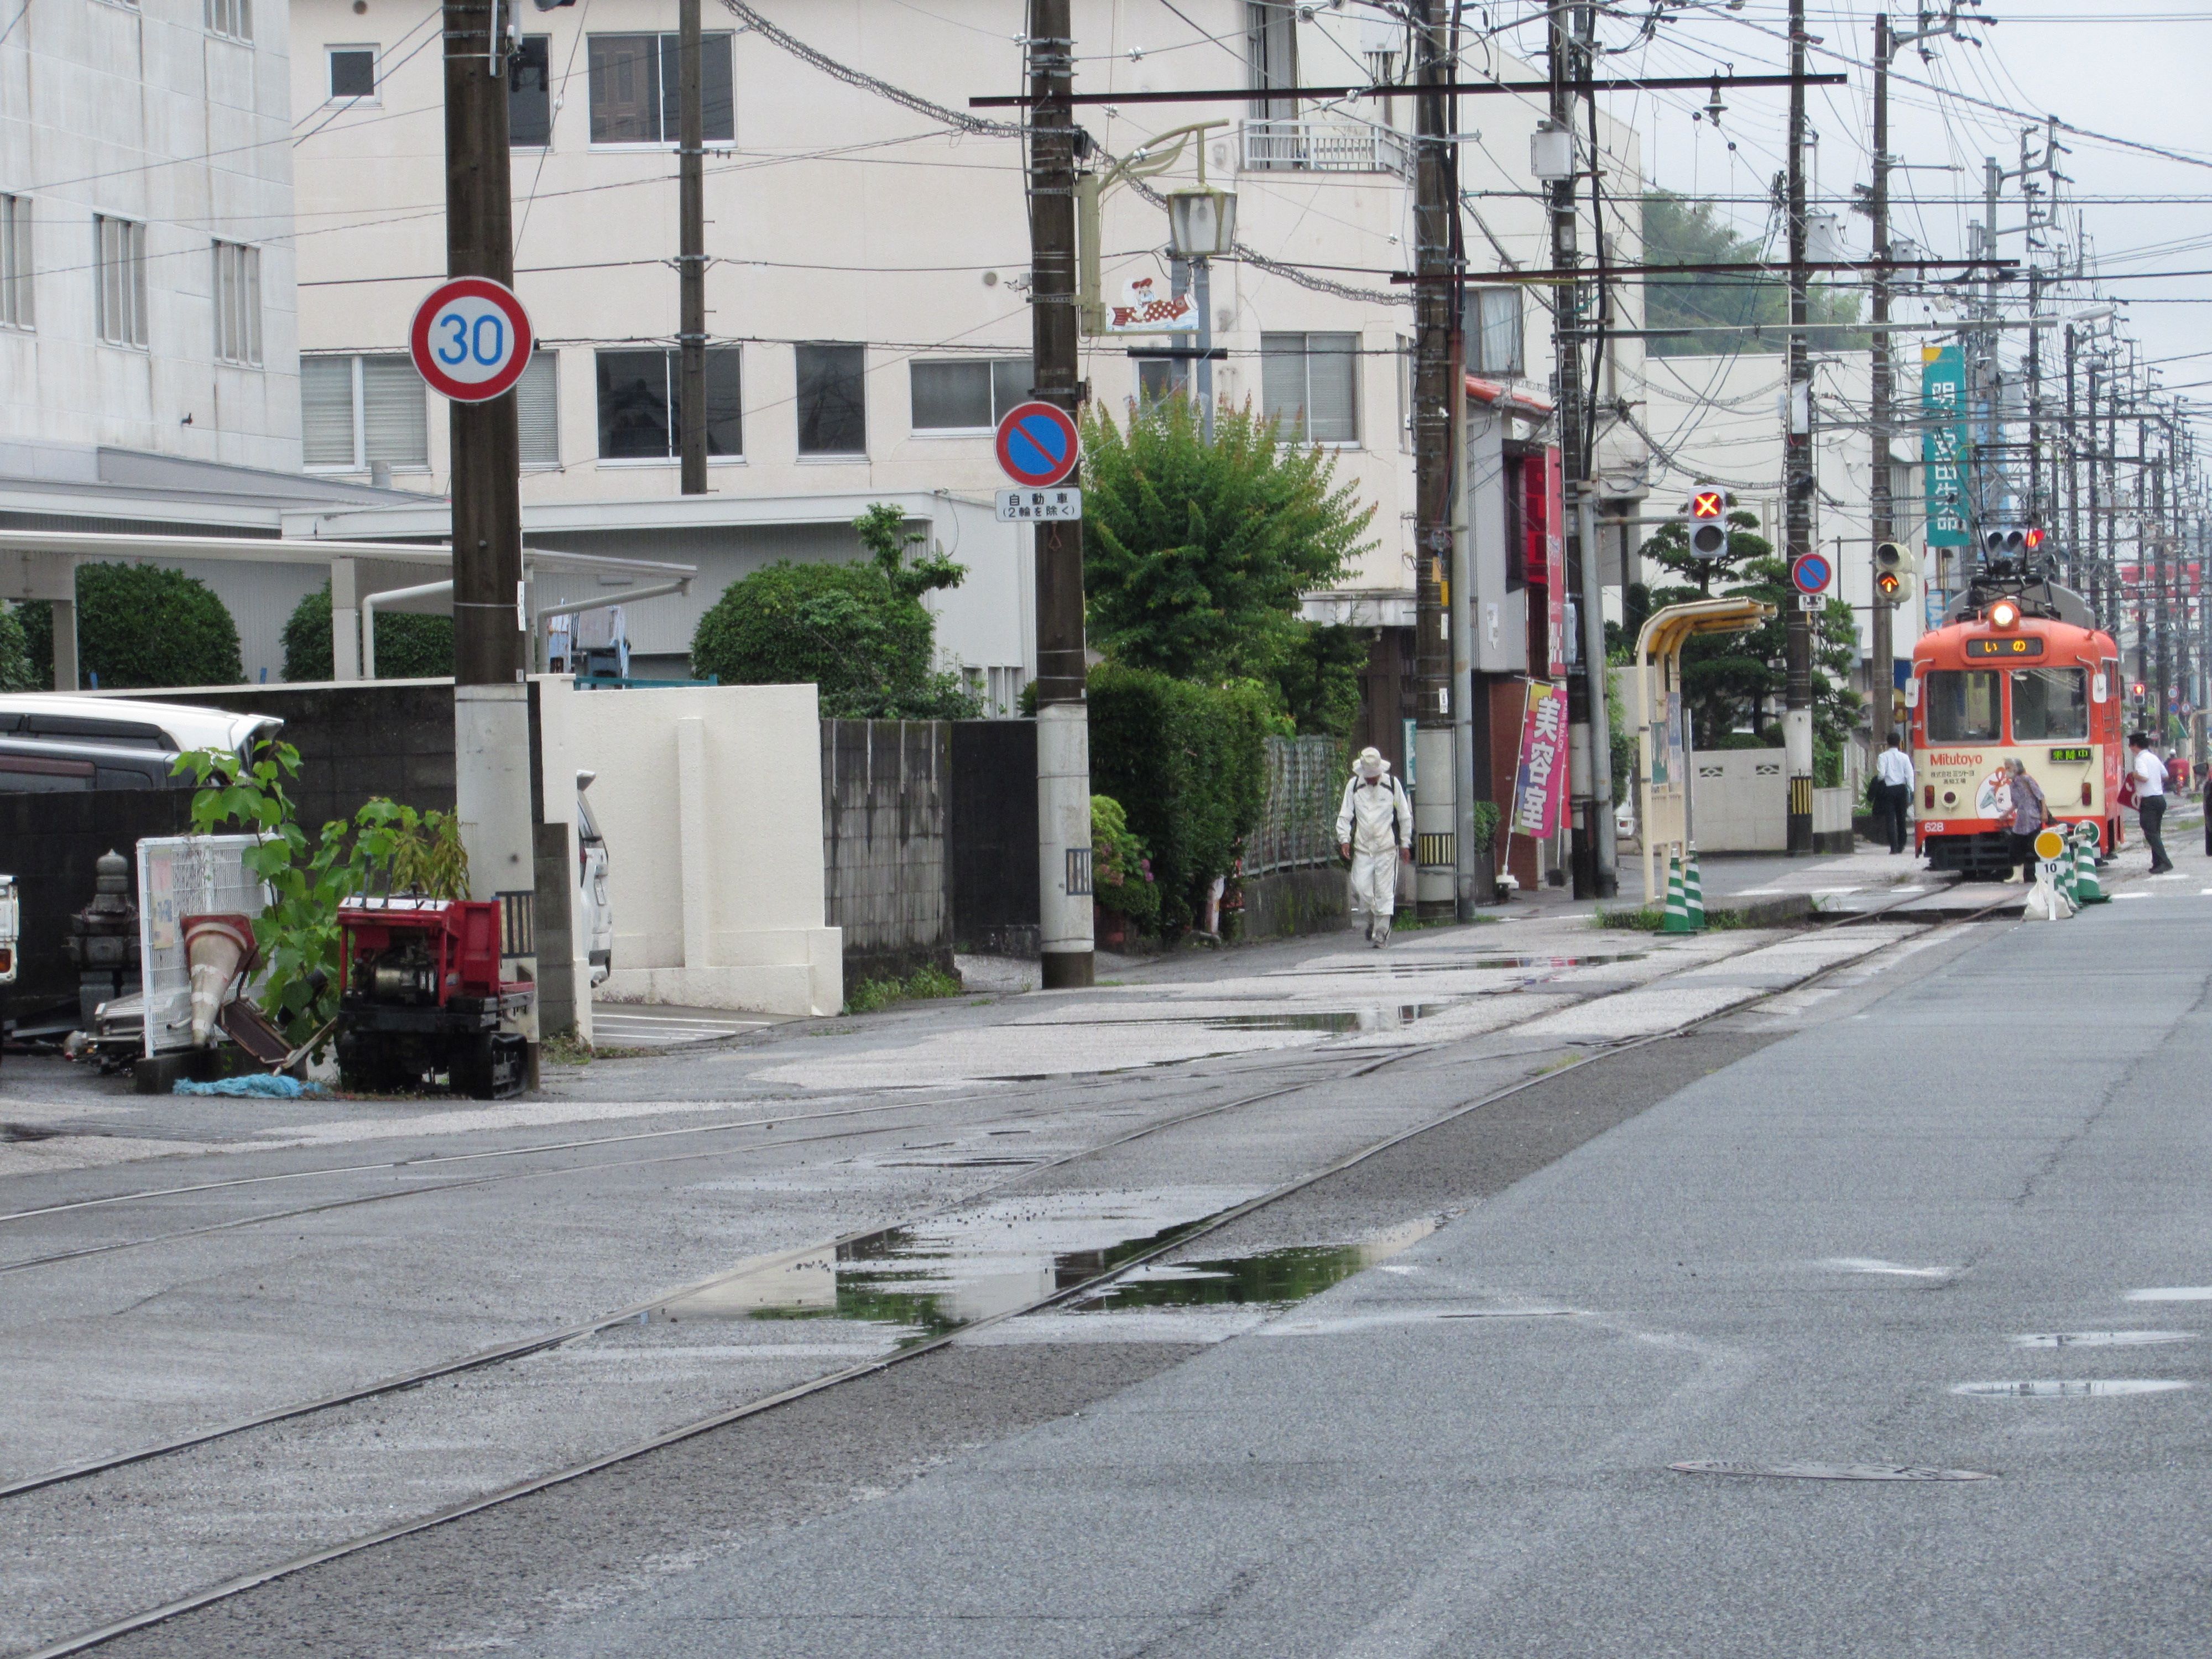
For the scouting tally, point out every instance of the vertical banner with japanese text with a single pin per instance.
(1539, 781)
(1555, 559)
(1943, 443)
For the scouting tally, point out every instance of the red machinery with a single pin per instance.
(420, 995)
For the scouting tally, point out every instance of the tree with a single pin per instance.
(16, 673)
(408, 646)
(859, 632)
(1196, 555)
(139, 625)
(1678, 231)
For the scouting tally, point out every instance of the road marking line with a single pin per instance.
(2173, 1293)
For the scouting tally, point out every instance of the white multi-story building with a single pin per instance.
(146, 283)
(867, 298)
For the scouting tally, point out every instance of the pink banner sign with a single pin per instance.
(1539, 782)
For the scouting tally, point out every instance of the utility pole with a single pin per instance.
(1591, 862)
(1797, 468)
(2074, 565)
(691, 259)
(1882, 510)
(491, 710)
(1063, 734)
(1435, 298)
(2100, 588)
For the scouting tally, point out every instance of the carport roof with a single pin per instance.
(267, 550)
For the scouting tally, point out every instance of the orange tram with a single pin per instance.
(2018, 669)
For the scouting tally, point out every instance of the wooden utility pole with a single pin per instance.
(1435, 298)
(491, 625)
(1063, 719)
(1798, 480)
(691, 258)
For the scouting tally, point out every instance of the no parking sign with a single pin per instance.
(471, 339)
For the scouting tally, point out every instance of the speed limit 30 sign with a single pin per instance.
(471, 339)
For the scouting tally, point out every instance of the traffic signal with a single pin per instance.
(1709, 535)
(1893, 570)
(2020, 542)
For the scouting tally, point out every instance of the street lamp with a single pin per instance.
(1202, 223)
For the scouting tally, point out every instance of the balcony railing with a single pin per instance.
(1325, 146)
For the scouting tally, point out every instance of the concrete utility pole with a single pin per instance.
(491, 710)
(1436, 300)
(2074, 566)
(1882, 510)
(2100, 586)
(1797, 468)
(1591, 846)
(691, 258)
(1063, 720)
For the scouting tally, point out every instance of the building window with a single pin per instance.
(530, 95)
(238, 304)
(15, 261)
(972, 396)
(635, 86)
(353, 73)
(1271, 52)
(537, 410)
(640, 405)
(1309, 383)
(1161, 377)
(356, 410)
(232, 19)
(121, 265)
(1492, 322)
(833, 400)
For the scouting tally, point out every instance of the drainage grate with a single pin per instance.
(2085, 1390)
(1828, 1471)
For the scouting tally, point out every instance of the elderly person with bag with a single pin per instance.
(2030, 811)
(1374, 830)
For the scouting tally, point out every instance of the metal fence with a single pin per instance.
(1325, 146)
(1297, 826)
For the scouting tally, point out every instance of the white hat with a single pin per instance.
(1369, 763)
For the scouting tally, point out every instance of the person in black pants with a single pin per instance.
(1892, 791)
(2150, 798)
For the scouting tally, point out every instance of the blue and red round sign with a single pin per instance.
(1812, 573)
(1038, 445)
(471, 339)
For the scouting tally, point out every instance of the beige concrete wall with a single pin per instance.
(710, 798)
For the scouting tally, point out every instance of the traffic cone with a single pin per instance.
(1677, 920)
(1693, 891)
(2086, 888)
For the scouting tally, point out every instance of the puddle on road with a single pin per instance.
(1827, 1471)
(932, 1278)
(2100, 1339)
(1268, 1278)
(1480, 964)
(2052, 1390)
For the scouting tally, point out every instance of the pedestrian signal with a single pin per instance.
(1708, 530)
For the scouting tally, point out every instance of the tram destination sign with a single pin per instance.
(2017, 645)
(2080, 753)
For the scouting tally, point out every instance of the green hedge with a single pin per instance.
(1188, 764)
(15, 671)
(140, 625)
(408, 646)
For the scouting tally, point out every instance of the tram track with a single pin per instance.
(1174, 1239)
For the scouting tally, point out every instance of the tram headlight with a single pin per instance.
(2004, 614)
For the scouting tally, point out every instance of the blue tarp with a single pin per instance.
(269, 1088)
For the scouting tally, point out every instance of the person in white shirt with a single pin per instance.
(1892, 788)
(2150, 798)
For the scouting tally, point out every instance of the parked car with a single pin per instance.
(51, 743)
(596, 911)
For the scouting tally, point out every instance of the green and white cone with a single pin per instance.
(1693, 891)
(2087, 890)
(1677, 920)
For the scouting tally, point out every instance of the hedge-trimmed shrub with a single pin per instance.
(140, 625)
(1121, 873)
(16, 673)
(1188, 764)
(408, 646)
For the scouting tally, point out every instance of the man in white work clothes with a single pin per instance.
(1375, 829)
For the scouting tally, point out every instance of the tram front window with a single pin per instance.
(2050, 705)
(1962, 705)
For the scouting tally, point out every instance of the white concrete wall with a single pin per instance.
(710, 798)
(838, 215)
(137, 112)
